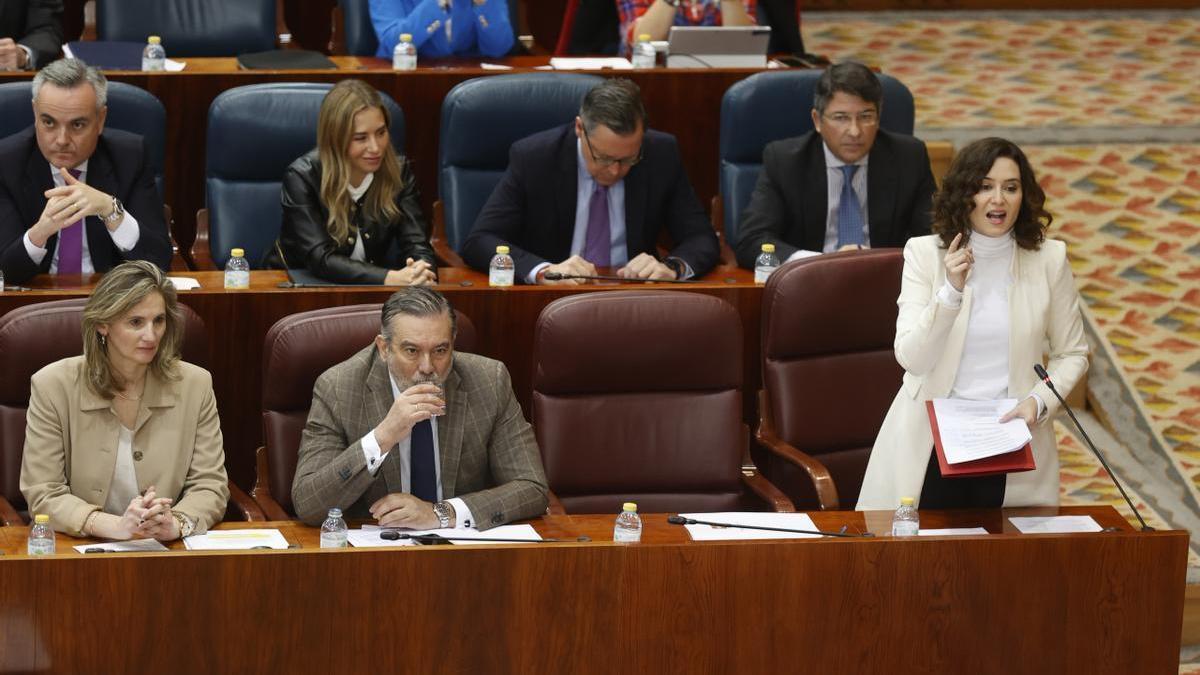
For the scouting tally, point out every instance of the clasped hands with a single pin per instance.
(68, 204)
(149, 516)
(643, 266)
(416, 272)
(12, 57)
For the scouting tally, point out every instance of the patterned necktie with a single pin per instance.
(850, 217)
(70, 244)
(422, 472)
(597, 248)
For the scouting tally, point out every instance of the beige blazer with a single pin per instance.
(1043, 307)
(71, 442)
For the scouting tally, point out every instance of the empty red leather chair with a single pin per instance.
(829, 372)
(637, 396)
(297, 349)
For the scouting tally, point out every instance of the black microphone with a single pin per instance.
(431, 538)
(1041, 372)
(680, 520)
(560, 276)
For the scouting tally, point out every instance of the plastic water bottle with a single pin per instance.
(1, 281)
(906, 522)
(765, 264)
(643, 52)
(334, 531)
(404, 56)
(154, 57)
(501, 270)
(41, 536)
(629, 525)
(237, 270)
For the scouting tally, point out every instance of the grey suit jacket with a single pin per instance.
(489, 457)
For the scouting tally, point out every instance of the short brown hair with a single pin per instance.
(119, 291)
(952, 205)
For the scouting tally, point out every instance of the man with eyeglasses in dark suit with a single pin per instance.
(848, 184)
(595, 194)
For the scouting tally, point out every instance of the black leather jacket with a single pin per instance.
(304, 242)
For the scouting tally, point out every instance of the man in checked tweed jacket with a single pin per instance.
(370, 448)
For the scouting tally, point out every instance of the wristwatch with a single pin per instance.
(185, 524)
(118, 211)
(444, 513)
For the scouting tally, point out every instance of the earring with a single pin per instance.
(103, 340)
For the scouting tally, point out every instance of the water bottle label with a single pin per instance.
(905, 528)
(500, 277)
(41, 547)
(234, 279)
(761, 274)
(333, 540)
(626, 536)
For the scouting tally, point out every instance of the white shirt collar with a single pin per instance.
(833, 162)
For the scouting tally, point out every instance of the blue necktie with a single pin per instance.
(422, 472)
(850, 217)
(597, 246)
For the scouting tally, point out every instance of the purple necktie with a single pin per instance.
(597, 248)
(70, 244)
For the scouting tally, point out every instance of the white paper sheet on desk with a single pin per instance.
(494, 66)
(972, 430)
(235, 540)
(172, 66)
(183, 283)
(590, 63)
(368, 536)
(951, 531)
(1054, 524)
(131, 546)
(792, 521)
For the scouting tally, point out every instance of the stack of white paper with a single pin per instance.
(590, 63)
(951, 531)
(972, 430)
(234, 540)
(1054, 524)
(130, 546)
(791, 521)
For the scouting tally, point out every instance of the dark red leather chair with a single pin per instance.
(637, 396)
(829, 372)
(297, 349)
(34, 336)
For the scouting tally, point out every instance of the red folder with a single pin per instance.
(1018, 460)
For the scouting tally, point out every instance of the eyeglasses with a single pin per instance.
(606, 162)
(867, 118)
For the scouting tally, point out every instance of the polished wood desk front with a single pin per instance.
(684, 102)
(1108, 602)
(237, 322)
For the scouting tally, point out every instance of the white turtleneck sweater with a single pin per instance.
(983, 371)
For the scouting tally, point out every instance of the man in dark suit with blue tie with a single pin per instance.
(848, 184)
(596, 194)
(75, 198)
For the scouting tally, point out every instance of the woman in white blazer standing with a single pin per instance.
(982, 300)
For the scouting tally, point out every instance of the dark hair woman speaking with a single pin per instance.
(982, 299)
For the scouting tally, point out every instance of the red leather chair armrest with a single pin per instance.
(766, 490)
(261, 492)
(766, 437)
(9, 515)
(246, 506)
(555, 508)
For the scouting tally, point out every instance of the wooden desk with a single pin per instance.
(1107, 602)
(684, 102)
(237, 322)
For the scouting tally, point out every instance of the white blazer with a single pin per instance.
(1043, 305)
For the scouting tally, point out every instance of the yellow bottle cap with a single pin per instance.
(41, 519)
(768, 248)
(237, 253)
(644, 37)
(406, 37)
(502, 250)
(154, 39)
(629, 506)
(906, 501)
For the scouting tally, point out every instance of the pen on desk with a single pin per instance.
(17, 288)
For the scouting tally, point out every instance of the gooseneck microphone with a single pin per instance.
(1041, 372)
(680, 520)
(560, 276)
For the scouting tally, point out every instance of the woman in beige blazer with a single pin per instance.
(981, 301)
(124, 442)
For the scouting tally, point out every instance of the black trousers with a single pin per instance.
(984, 492)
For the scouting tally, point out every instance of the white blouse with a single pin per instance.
(124, 486)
